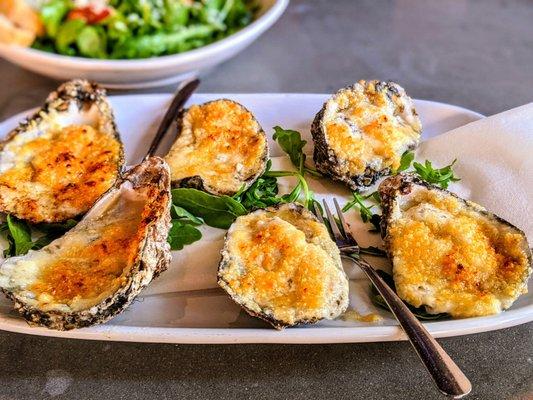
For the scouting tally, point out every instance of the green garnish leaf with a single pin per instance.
(438, 176)
(181, 234)
(262, 193)
(297, 190)
(406, 160)
(56, 228)
(216, 211)
(51, 232)
(20, 236)
(291, 143)
(184, 216)
(366, 213)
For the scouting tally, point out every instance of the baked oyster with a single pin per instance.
(448, 254)
(280, 264)
(56, 164)
(97, 268)
(362, 131)
(220, 148)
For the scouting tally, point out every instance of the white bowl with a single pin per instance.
(149, 72)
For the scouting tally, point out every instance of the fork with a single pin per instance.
(449, 379)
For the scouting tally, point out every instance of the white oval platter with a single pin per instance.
(184, 305)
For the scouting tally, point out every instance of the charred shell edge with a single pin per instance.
(81, 92)
(150, 262)
(403, 183)
(325, 159)
(226, 258)
(196, 182)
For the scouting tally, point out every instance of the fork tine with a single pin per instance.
(340, 216)
(337, 234)
(318, 213)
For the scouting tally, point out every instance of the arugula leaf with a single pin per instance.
(405, 161)
(216, 211)
(262, 193)
(44, 240)
(419, 312)
(52, 231)
(56, 228)
(365, 211)
(296, 191)
(20, 235)
(441, 177)
(291, 143)
(181, 234)
(184, 216)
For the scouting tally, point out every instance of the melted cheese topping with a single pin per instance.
(280, 269)
(93, 262)
(366, 128)
(59, 174)
(455, 260)
(222, 143)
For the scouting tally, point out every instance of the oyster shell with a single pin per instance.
(448, 254)
(97, 268)
(362, 131)
(220, 148)
(280, 264)
(56, 164)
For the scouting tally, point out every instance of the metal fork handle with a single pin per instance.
(180, 98)
(448, 377)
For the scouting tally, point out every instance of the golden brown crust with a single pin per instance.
(149, 255)
(280, 265)
(50, 170)
(362, 131)
(220, 148)
(449, 254)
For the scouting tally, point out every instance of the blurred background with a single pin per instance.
(476, 54)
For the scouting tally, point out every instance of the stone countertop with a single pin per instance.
(471, 53)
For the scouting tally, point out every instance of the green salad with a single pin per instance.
(128, 29)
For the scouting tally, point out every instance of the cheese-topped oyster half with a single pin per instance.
(362, 131)
(449, 254)
(281, 265)
(56, 164)
(220, 148)
(97, 268)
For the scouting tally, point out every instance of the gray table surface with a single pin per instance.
(476, 54)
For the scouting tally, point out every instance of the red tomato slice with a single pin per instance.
(89, 14)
